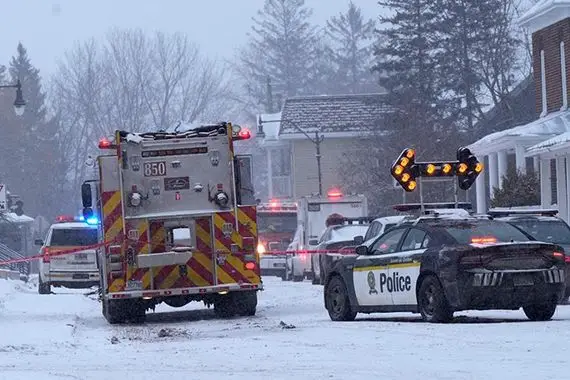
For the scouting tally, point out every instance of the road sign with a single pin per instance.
(3, 203)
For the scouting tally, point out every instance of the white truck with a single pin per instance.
(312, 214)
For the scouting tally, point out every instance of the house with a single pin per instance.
(289, 139)
(545, 141)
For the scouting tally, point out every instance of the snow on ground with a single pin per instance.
(64, 336)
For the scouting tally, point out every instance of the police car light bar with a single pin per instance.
(506, 211)
(440, 205)
(359, 220)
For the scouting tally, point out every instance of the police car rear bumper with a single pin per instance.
(487, 290)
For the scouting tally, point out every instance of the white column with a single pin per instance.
(543, 84)
(545, 186)
(566, 216)
(481, 193)
(561, 186)
(563, 73)
(493, 178)
(502, 166)
(536, 164)
(520, 158)
(269, 174)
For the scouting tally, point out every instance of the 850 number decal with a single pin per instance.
(155, 169)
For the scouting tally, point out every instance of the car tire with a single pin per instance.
(432, 303)
(315, 280)
(541, 311)
(43, 287)
(337, 300)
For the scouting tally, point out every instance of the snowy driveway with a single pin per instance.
(64, 336)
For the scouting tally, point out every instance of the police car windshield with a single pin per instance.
(80, 237)
(467, 232)
(548, 231)
(277, 222)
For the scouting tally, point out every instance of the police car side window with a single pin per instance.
(413, 240)
(388, 243)
(371, 231)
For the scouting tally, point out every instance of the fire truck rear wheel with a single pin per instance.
(224, 306)
(246, 303)
(114, 311)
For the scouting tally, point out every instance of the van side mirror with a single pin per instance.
(38, 242)
(361, 250)
(358, 240)
(314, 242)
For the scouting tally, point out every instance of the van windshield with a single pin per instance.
(79, 237)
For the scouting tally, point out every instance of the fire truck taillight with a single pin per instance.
(260, 248)
(244, 134)
(105, 143)
(250, 266)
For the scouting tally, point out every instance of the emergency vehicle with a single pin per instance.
(178, 222)
(312, 214)
(75, 270)
(276, 226)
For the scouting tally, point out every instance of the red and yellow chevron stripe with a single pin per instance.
(231, 268)
(197, 272)
(112, 220)
(141, 246)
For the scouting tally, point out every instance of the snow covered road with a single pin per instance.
(64, 336)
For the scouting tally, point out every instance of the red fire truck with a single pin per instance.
(276, 225)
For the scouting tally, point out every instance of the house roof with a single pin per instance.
(555, 143)
(332, 113)
(545, 13)
(541, 129)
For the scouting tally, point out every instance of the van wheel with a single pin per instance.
(432, 302)
(43, 287)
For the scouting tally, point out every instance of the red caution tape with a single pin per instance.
(61, 252)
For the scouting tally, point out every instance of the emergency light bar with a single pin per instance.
(70, 218)
(500, 211)
(359, 220)
(436, 205)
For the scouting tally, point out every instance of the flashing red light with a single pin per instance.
(250, 266)
(483, 240)
(65, 218)
(244, 134)
(274, 204)
(334, 193)
(104, 143)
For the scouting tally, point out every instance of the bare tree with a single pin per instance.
(134, 81)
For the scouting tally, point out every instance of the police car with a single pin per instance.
(438, 264)
(75, 270)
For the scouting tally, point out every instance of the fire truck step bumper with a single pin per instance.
(163, 259)
(185, 291)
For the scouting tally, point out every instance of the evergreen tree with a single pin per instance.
(2, 74)
(34, 159)
(518, 189)
(469, 30)
(281, 47)
(350, 50)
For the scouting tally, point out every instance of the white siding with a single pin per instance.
(305, 174)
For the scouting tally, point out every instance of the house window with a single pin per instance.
(543, 83)
(563, 72)
(280, 162)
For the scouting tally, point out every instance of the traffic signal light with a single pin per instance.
(468, 168)
(405, 171)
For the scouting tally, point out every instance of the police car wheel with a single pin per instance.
(432, 303)
(337, 301)
(541, 312)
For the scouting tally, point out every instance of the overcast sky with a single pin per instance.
(49, 28)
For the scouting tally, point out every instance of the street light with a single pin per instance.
(19, 103)
(317, 140)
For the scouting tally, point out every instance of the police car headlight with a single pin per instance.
(221, 199)
(135, 199)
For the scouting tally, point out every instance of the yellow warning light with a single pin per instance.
(410, 153)
(430, 169)
(479, 167)
(462, 168)
(398, 170)
(411, 185)
(404, 161)
(446, 168)
(405, 177)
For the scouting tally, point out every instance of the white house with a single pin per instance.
(542, 145)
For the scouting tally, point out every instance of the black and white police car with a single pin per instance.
(438, 264)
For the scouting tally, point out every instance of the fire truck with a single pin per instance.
(276, 226)
(177, 224)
